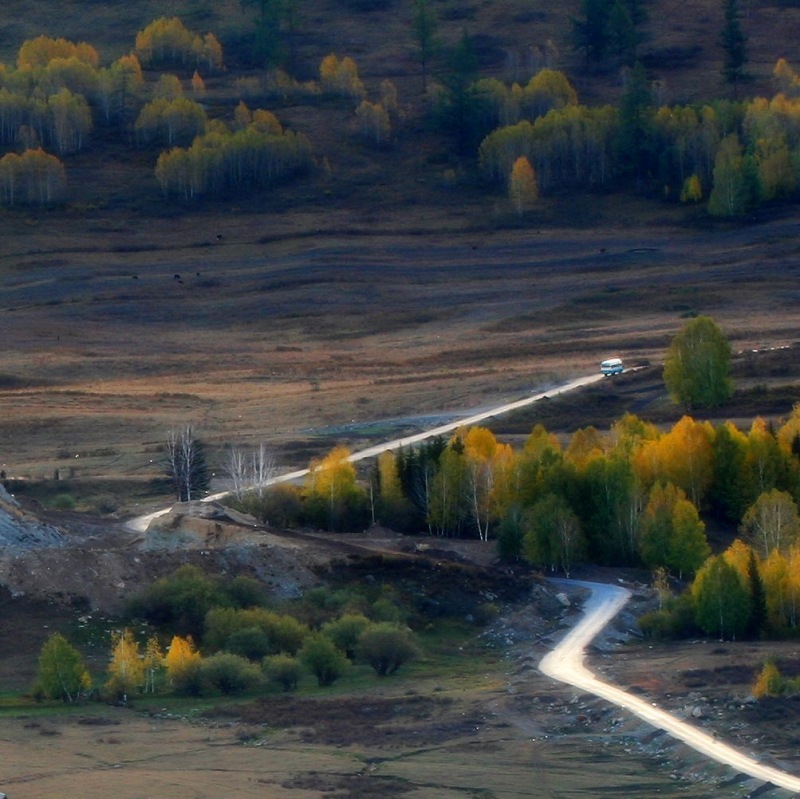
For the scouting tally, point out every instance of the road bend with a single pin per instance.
(140, 523)
(566, 664)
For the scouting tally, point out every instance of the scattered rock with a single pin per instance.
(563, 599)
(20, 530)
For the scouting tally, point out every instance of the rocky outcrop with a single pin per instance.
(20, 530)
(198, 524)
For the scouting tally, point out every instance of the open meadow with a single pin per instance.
(109, 343)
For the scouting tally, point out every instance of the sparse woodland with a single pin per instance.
(636, 496)
(209, 115)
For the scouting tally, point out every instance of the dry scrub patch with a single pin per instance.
(711, 682)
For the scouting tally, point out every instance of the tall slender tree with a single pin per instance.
(186, 464)
(522, 187)
(734, 44)
(424, 26)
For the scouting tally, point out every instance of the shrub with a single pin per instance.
(676, 620)
(386, 647)
(179, 602)
(385, 610)
(321, 605)
(486, 613)
(769, 682)
(250, 642)
(246, 592)
(229, 674)
(284, 670)
(233, 629)
(188, 681)
(63, 502)
(325, 661)
(287, 634)
(345, 632)
(279, 505)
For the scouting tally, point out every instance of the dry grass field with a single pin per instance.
(268, 336)
(493, 728)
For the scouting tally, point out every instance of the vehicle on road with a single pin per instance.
(612, 366)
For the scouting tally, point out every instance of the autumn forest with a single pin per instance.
(207, 116)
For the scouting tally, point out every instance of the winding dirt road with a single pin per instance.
(566, 664)
(140, 523)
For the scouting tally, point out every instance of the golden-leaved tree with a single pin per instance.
(522, 186)
(166, 40)
(172, 121)
(33, 178)
(126, 669)
(331, 490)
(340, 77)
(254, 156)
(373, 123)
(182, 662)
(40, 51)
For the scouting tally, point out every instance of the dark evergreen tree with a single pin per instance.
(590, 31)
(635, 140)
(268, 44)
(608, 32)
(729, 495)
(622, 35)
(424, 25)
(461, 108)
(734, 44)
(510, 533)
(758, 598)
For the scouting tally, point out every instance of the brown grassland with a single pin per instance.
(348, 307)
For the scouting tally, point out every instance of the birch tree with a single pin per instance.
(186, 464)
(62, 673)
(721, 600)
(698, 363)
(126, 669)
(771, 522)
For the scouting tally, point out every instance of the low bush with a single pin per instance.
(179, 602)
(283, 670)
(676, 620)
(323, 659)
(386, 647)
(229, 674)
(345, 632)
(279, 506)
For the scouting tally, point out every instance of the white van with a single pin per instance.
(612, 366)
